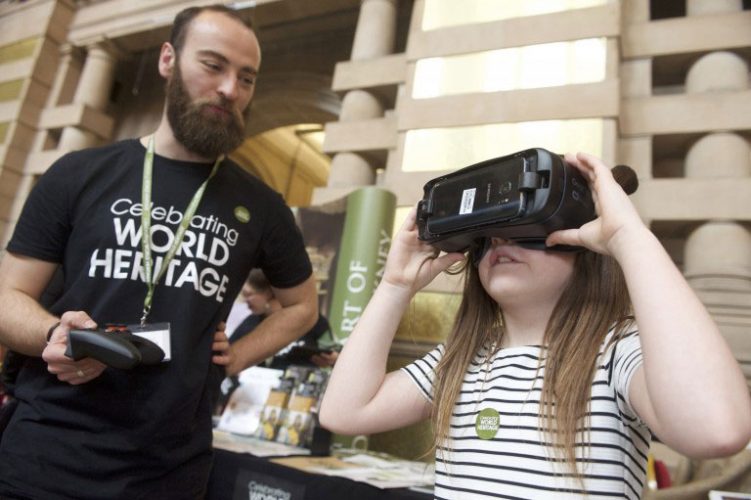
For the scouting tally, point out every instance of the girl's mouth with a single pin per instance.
(502, 257)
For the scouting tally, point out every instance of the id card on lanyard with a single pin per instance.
(159, 333)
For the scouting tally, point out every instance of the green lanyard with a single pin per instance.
(148, 164)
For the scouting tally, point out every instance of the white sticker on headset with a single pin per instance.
(468, 201)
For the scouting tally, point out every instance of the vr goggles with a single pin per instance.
(114, 346)
(521, 197)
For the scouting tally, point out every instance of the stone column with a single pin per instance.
(94, 87)
(635, 11)
(374, 37)
(717, 71)
(718, 252)
(718, 256)
(635, 82)
(68, 73)
(719, 154)
(376, 29)
(61, 92)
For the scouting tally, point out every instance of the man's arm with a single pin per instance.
(298, 315)
(23, 321)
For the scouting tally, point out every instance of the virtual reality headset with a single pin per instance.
(115, 346)
(521, 197)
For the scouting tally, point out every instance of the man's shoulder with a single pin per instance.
(239, 176)
(122, 146)
(234, 169)
(95, 155)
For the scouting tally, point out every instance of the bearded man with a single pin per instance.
(159, 233)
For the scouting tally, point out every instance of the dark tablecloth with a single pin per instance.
(239, 476)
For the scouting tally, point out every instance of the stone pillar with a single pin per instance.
(719, 155)
(360, 105)
(376, 29)
(94, 87)
(719, 249)
(717, 71)
(374, 37)
(68, 73)
(635, 11)
(635, 82)
(718, 252)
(97, 77)
(718, 256)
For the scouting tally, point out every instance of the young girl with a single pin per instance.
(547, 386)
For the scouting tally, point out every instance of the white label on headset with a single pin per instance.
(468, 201)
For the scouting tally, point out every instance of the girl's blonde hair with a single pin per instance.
(594, 300)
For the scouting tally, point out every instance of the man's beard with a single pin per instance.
(208, 135)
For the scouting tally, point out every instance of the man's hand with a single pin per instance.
(324, 359)
(67, 370)
(222, 353)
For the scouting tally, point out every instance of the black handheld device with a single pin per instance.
(301, 354)
(114, 346)
(522, 197)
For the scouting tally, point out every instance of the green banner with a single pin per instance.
(366, 239)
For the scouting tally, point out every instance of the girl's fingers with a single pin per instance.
(445, 261)
(598, 170)
(411, 220)
(564, 237)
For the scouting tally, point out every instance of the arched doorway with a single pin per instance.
(285, 133)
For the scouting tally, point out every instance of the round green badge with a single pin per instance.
(242, 214)
(487, 423)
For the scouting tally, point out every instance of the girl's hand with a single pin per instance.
(617, 220)
(412, 263)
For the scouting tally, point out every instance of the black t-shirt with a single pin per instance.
(145, 432)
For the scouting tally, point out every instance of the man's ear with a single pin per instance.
(167, 59)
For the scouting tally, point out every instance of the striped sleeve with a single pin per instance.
(422, 371)
(626, 359)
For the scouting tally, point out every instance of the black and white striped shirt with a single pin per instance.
(517, 462)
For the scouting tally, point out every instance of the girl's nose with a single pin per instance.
(495, 241)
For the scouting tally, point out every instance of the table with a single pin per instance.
(240, 476)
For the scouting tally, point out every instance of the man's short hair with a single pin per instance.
(257, 279)
(184, 17)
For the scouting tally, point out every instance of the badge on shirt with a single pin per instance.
(158, 333)
(487, 424)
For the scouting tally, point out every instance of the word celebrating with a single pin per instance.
(173, 216)
(260, 491)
